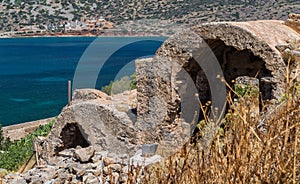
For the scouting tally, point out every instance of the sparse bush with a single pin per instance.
(121, 85)
(16, 153)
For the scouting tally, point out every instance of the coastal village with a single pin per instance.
(93, 26)
(139, 17)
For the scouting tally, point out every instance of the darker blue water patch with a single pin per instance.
(34, 73)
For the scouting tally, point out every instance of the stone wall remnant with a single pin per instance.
(294, 22)
(107, 123)
(93, 119)
(241, 48)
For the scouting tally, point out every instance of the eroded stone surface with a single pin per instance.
(241, 48)
(294, 22)
(71, 170)
(92, 119)
(112, 128)
(84, 154)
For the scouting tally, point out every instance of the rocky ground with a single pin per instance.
(84, 165)
(88, 164)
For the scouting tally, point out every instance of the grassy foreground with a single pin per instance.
(241, 152)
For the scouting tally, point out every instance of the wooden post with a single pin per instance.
(69, 92)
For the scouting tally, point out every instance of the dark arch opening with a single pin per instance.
(236, 63)
(71, 137)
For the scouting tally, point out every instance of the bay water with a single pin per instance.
(34, 72)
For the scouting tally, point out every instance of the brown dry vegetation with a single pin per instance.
(240, 152)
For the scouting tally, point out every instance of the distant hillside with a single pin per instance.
(15, 14)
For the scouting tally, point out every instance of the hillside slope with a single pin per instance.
(15, 14)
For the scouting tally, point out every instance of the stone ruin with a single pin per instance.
(100, 136)
(111, 124)
(93, 119)
(243, 49)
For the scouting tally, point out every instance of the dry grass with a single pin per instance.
(241, 152)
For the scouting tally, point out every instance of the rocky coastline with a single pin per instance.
(82, 34)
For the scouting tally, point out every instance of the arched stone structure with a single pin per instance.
(239, 49)
(242, 49)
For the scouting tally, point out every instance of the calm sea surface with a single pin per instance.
(34, 71)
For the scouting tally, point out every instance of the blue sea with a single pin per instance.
(34, 72)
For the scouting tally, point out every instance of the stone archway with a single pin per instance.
(71, 137)
(242, 49)
(236, 63)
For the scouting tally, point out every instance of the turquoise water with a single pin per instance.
(34, 72)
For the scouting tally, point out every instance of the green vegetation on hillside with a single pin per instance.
(124, 84)
(16, 153)
(17, 14)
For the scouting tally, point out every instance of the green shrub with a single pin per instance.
(16, 153)
(121, 85)
(246, 90)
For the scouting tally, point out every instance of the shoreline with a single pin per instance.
(83, 35)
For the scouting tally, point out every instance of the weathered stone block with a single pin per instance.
(84, 154)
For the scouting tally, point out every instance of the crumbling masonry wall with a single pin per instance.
(92, 119)
(242, 49)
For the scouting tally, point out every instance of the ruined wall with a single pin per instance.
(93, 119)
(172, 86)
(241, 48)
(294, 22)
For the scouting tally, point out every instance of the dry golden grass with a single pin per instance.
(240, 152)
